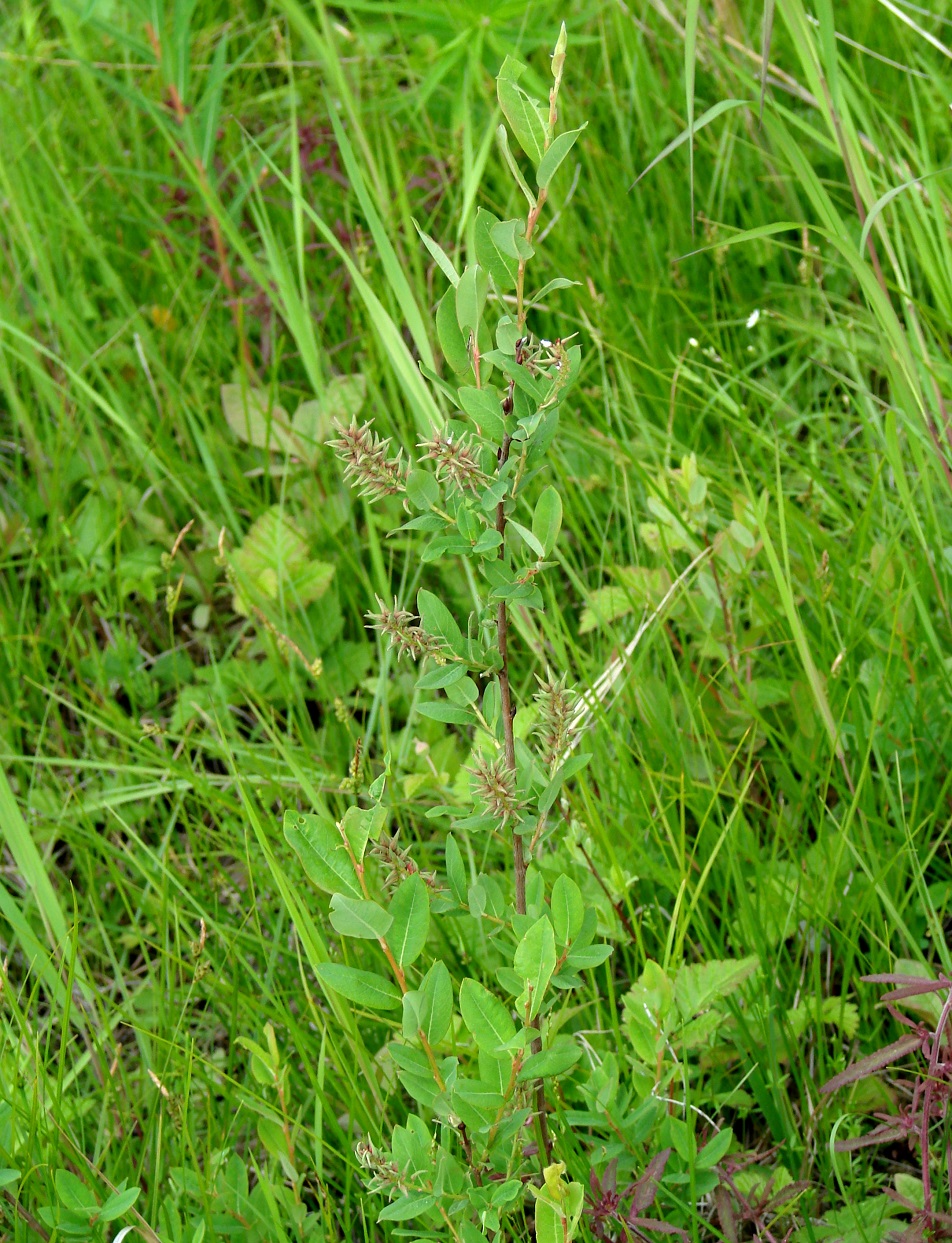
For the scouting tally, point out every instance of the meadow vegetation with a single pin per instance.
(667, 463)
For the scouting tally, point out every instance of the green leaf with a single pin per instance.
(360, 824)
(715, 1149)
(366, 988)
(486, 1018)
(323, 852)
(423, 491)
(534, 961)
(452, 342)
(587, 956)
(439, 621)
(502, 267)
(441, 677)
(449, 714)
(435, 1002)
(568, 909)
(74, 1194)
(698, 986)
(571, 766)
(557, 152)
(470, 300)
(118, 1203)
(550, 1062)
(483, 407)
(410, 912)
(274, 561)
(443, 261)
(353, 917)
(455, 871)
(510, 237)
(408, 1206)
(8, 1177)
(525, 117)
(547, 519)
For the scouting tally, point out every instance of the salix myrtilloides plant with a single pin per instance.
(481, 1062)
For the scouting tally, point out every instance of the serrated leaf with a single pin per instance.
(410, 912)
(359, 917)
(698, 986)
(274, 561)
(568, 909)
(366, 988)
(553, 158)
(534, 961)
(321, 849)
(486, 1018)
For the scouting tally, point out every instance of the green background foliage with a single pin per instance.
(209, 223)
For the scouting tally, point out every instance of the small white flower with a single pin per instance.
(693, 342)
(752, 319)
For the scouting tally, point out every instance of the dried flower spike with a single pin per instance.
(557, 704)
(494, 784)
(367, 461)
(455, 460)
(404, 633)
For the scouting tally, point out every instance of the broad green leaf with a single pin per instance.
(423, 491)
(715, 1149)
(568, 909)
(252, 416)
(360, 824)
(323, 852)
(486, 1018)
(435, 1002)
(118, 1203)
(74, 1194)
(366, 988)
(407, 1207)
(470, 300)
(509, 236)
(587, 956)
(449, 714)
(550, 1062)
(439, 621)
(698, 986)
(558, 150)
(547, 519)
(525, 117)
(452, 341)
(359, 917)
(410, 912)
(502, 267)
(534, 961)
(9, 1177)
(484, 408)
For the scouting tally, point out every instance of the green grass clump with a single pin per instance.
(209, 254)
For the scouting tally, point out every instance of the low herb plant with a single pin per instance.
(507, 1117)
